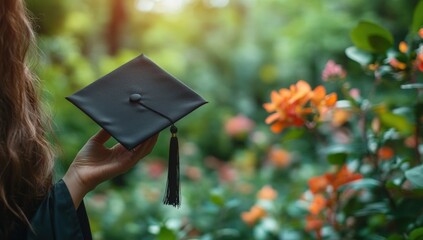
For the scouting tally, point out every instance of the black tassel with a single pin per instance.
(172, 188)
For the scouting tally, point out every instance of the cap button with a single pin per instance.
(136, 97)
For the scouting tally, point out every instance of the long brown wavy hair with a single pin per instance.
(26, 157)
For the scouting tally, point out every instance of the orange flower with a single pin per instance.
(325, 200)
(287, 106)
(279, 157)
(342, 177)
(300, 92)
(340, 116)
(397, 64)
(313, 223)
(421, 32)
(385, 153)
(248, 218)
(373, 67)
(419, 61)
(403, 47)
(267, 193)
(318, 204)
(251, 217)
(290, 107)
(318, 184)
(322, 101)
(319, 95)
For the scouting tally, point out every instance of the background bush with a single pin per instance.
(235, 53)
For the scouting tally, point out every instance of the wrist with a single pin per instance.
(75, 185)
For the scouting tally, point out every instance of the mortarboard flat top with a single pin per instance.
(136, 101)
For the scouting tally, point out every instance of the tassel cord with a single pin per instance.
(172, 195)
(173, 186)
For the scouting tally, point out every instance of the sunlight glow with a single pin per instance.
(160, 6)
(217, 3)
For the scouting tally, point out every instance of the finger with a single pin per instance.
(101, 137)
(126, 159)
(145, 148)
(145, 143)
(120, 148)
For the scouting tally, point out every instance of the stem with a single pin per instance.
(418, 112)
(416, 136)
(365, 139)
(418, 115)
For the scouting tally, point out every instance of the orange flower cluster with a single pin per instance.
(279, 158)
(397, 64)
(251, 217)
(257, 212)
(323, 189)
(385, 153)
(291, 107)
(267, 193)
(404, 49)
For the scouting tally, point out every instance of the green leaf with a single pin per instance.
(228, 233)
(365, 183)
(415, 176)
(395, 237)
(338, 158)
(417, 18)
(361, 57)
(292, 134)
(416, 234)
(166, 234)
(371, 37)
(412, 86)
(373, 208)
(216, 197)
(399, 192)
(400, 123)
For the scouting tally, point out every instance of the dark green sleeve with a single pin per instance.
(57, 218)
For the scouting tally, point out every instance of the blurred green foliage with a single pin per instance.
(233, 53)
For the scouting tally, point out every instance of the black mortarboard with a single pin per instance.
(136, 101)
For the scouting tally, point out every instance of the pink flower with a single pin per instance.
(193, 173)
(333, 71)
(98, 201)
(355, 93)
(238, 125)
(155, 169)
(227, 173)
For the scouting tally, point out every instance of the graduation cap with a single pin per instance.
(136, 101)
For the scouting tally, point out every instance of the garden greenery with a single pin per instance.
(373, 188)
(313, 128)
